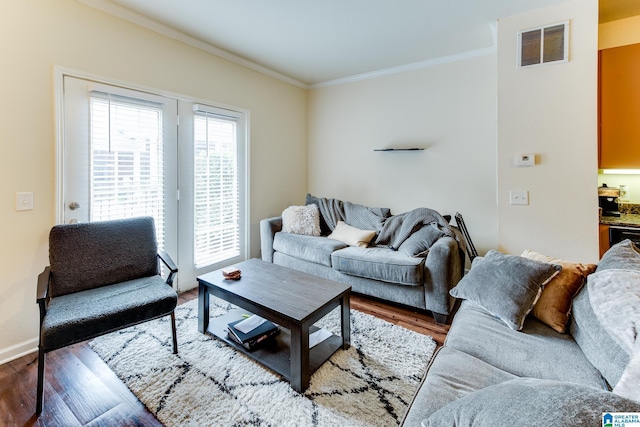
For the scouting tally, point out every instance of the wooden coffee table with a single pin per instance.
(289, 298)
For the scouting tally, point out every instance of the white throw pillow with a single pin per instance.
(352, 236)
(301, 220)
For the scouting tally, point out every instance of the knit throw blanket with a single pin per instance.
(391, 230)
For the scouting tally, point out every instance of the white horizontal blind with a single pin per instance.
(127, 161)
(216, 188)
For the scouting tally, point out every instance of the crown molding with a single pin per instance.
(142, 21)
(408, 67)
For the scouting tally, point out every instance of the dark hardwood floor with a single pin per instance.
(80, 389)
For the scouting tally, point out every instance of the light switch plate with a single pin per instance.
(24, 201)
(518, 197)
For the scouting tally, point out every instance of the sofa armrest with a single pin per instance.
(444, 267)
(268, 229)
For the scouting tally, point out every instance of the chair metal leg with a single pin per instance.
(173, 332)
(440, 318)
(40, 387)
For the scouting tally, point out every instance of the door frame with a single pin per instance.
(58, 91)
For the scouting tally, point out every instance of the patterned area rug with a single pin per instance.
(210, 384)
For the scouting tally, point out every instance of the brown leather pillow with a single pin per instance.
(554, 305)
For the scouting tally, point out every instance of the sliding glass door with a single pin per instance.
(128, 153)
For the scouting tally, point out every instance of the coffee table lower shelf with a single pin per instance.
(275, 353)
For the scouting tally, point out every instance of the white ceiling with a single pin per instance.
(320, 41)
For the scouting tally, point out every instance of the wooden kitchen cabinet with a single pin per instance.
(603, 238)
(619, 108)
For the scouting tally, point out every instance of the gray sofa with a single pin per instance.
(489, 373)
(421, 282)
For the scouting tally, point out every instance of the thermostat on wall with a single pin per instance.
(525, 159)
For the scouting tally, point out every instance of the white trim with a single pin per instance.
(18, 350)
(99, 88)
(58, 93)
(149, 24)
(409, 67)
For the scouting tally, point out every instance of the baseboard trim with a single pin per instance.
(18, 350)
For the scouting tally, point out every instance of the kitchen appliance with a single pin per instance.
(618, 234)
(608, 198)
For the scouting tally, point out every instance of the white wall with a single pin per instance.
(450, 109)
(35, 36)
(551, 111)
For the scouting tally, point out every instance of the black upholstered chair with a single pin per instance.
(103, 276)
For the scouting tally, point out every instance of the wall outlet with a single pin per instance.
(518, 197)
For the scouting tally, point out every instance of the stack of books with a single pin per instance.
(256, 335)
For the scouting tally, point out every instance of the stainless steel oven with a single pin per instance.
(618, 234)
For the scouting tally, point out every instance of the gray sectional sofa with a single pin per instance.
(490, 373)
(380, 271)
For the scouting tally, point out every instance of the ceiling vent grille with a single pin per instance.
(543, 45)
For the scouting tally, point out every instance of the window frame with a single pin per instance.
(240, 119)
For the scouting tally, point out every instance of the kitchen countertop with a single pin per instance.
(625, 220)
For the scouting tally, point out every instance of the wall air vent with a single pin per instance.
(543, 45)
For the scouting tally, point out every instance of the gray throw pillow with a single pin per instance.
(531, 402)
(419, 242)
(506, 286)
(624, 255)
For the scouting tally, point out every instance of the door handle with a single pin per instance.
(74, 205)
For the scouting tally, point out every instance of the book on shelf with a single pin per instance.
(255, 337)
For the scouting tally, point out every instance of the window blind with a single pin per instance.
(216, 188)
(127, 160)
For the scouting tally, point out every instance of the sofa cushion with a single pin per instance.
(505, 285)
(614, 308)
(352, 236)
(531, 402)
(379, 264)
(554, 304)
(596, 343)
(301, 220)
(309, 248)
(536, 351)
(419, 242)
(69, 316)
(451, 375)
(604, 351)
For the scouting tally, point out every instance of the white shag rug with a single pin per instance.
(208, 383)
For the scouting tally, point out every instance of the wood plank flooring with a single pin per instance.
(81, 390)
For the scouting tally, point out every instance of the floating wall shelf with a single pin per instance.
(398, 149)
